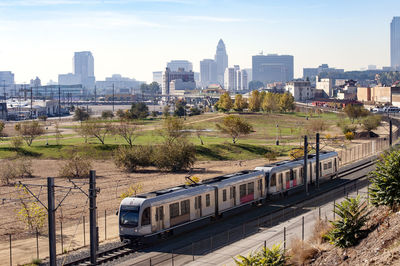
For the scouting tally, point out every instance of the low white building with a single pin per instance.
(326, 85)
(301, 90)
(22, 109)
(178, 87)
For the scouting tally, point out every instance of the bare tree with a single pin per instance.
(29, 131)
(96, 129)
(128, 131)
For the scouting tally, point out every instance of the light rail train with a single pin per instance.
(162, 211)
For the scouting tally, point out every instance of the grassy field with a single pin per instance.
(217, 146)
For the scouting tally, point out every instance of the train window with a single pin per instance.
(281, 178)
(174, 210)
(294, 175)
(329, 165)
(208, 200)
(224, 195)
(287, 176)
(242, 189)
(259, 184)
(325, 166)
(185, 207)
(146, 216)
(250, 188)
(273, 180)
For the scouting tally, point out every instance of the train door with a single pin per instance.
(159, 218)
(197, 207)
(233, 195)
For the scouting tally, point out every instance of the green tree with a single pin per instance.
(152, 88)
(166, 111)
(286, 102)
(173, 129)
(371, 122)
(255, 85)
(224, 103)
(235, 127)
(385, 181)
(138, 111)
(255, 101)
(81, 115)
(271, 102)
(180, 108)
(29, 131)
(262, 97)
(240, 103)
(353, 215)
(355, 111)
(175, 156)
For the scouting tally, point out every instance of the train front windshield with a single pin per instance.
(129, 216)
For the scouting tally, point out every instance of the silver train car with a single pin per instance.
(162, 211)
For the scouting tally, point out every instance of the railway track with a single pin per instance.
(126, 249)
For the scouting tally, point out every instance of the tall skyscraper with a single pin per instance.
(208, 72)
(395, 43)
(84, 67)
(235, 79)
(221, 58)
(272, 68)
(175, 65)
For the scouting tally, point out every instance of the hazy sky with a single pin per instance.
(136, 37)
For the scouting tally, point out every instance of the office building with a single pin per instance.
(157, 77)
(186, 81)
(35, 82)
(311, 73)
(208, 72)
(69, 79)
(249, 73)
(122, 85)
(6, 80)
(395, 43)
(235, 79)
(301, 90)
(84, 67)
(272, 68)
(221, 58)
(175, 65)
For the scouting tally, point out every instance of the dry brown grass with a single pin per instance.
(301, 251)
(321, 228)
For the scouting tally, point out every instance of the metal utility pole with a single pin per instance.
(93, 229)
(59, 102)
(113, 98)
(95, 94)
(52, 220)
(4, 89)
(31, 102)
(390, 132)
(317, 160)
(305, 164)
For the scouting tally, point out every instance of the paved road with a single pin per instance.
(202, 236)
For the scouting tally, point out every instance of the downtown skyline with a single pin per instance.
(135, 38)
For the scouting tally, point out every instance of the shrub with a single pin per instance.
(271, 155)
(14, 169)
(16, 142)
(106, 114)
(268, 256)
(76, 167)
(29, 131)
(349, 136)
(346, 230)
(385, 181)
(321, 229)
(81, 115)
(175, 156)
(131, 191)
(130, 158)
(317, 125)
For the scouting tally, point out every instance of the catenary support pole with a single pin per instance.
(93, 229)
(305, 164)
(52, 220)
(317, 160)
(390, 132)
